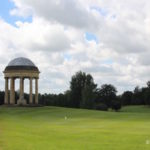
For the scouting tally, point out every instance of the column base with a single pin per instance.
(27, 105)
(21, 102)
(6, 103)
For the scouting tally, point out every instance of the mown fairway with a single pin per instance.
(53, 128)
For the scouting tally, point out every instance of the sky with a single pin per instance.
(108, 39)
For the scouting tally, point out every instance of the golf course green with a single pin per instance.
(56, 128)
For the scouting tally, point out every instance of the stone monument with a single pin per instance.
(22, 68)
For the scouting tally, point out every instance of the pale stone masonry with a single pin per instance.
(30, 96)
(36, 91)
(21, 68)
(12, 91)
(6, 91)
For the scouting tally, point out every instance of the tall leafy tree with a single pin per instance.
(88, 92)
(76, 87)
(82, 87)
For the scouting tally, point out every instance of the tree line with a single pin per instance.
(84, 93)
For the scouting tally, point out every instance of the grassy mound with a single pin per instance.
(54, 128)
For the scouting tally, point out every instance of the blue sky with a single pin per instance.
(5, 7)
(90, 36)
(102, 11)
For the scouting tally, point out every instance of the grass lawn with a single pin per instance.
(54, 128)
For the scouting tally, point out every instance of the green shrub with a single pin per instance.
(116, 105)
(101, 106)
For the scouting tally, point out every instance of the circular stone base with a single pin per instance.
(33, 105)
(26, 105)
(21, 102)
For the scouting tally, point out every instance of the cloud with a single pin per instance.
(55, 41)
(69, 13)
(41, 35)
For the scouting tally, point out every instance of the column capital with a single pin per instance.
(13, 78)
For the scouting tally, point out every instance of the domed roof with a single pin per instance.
(21, 63)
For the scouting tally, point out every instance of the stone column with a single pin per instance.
(23, 88)
(30, 92)
(36, 91)
(6, 90)
(12, 91)
(21, 97)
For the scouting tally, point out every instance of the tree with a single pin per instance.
(76, 87)
(2, 97)
(106, 94)
(101, 106)
(138, 96)
(126, 98)
(67, 95)
(88, 92)
(82, 87)
(116, 105)
(148, 84)
(147, 94)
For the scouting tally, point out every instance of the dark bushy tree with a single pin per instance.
(101, 106)
(116, 105)
(68, 98)
(126, 98)
(106, 94)
(2, 97)
(138, 96)
(147, 94)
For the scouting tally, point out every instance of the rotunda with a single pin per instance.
(21, 68)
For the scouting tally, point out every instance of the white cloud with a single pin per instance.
(70, 13)
(55, 40)
(41, 35)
